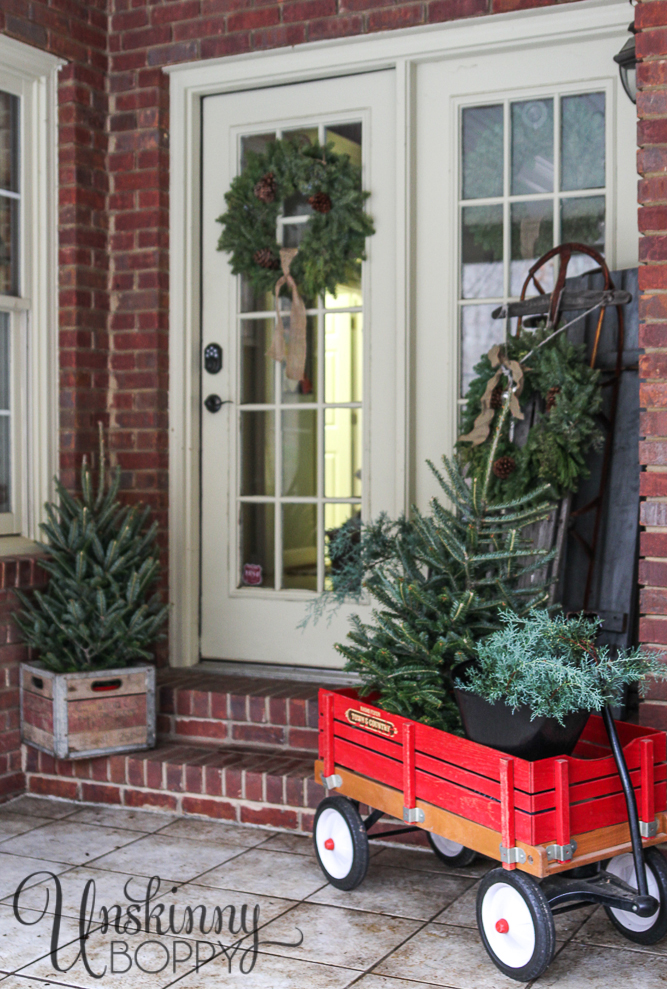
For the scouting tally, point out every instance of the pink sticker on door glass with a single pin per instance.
(252, 574)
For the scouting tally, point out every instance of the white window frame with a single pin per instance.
(32, 76)
(189, 83)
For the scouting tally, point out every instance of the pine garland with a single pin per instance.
(552, 665)
(333, 244)
(95, 613)
(569, 398)
(440, 581)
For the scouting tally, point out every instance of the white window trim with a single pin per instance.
(33, 76)
(189, 82)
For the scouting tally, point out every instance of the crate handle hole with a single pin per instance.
(38, 682)
(101, 685)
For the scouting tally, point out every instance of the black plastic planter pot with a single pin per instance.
(499, 727)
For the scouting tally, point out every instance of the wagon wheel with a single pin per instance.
(341, 842)
(516, 924)
(641, 930)
(450, 852)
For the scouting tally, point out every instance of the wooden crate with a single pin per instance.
(536, 804)
(78, 715)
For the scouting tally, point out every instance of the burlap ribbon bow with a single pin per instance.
(511, 370)
(296, 352)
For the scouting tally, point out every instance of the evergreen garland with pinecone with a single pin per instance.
(332, 246)
(441, 581)
(565, 397)
(96, 612)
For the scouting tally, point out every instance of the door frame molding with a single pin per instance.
(401, 51)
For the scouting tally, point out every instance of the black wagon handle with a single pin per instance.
(630, 801)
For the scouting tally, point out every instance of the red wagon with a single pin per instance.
(556, 820)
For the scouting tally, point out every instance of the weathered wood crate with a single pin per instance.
(534, 805)
(78, 715)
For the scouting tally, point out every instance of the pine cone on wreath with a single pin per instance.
(266, 188)
(503, 467)
(265, 258)
(321, 202)
(496, 401)
(552, 395)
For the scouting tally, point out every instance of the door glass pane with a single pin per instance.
(254, 301)
(257, 370)
(343, 370)
(346, 297)
(299, 441)
(346, 140)
(257, 545)
(302, 135)
(257, 453)
(583, 221)
(532, 147)
(532, 236)
(336, 517)
(583, 141)
(478, 334)
(482, 252)
(8, 246)
(482, 128)
(256, 143)
(304, 391)
(342, 453)
(300, 547)
(5, 421)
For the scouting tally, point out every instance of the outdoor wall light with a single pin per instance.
(627, 66)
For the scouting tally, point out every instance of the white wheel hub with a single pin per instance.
(508, 925)
(448, 848)
(623, 866)
(334, 843)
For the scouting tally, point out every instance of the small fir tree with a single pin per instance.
(441, 581)
(96, 612)
(552, 665)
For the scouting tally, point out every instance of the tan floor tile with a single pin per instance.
(384, 982)
(121, 817)
(40, 806)
(13, 824)
(182, 858)
(424, 860)
(65, 841)
(578, 966)
(349, 938)
(298, 844)
(186, 827)
(600, 930)
(446, 956)
(23, 943)
(397, 892)
(268, 872)
(15, 868)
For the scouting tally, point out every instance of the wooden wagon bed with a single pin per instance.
(543, 817)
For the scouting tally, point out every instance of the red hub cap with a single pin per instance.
(329, 844)
(502, 926)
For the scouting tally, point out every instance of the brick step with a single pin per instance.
(247, 785)
(205, 707)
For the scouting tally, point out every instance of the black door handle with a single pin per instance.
(214, 403)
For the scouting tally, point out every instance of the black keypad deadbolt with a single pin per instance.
(213, 358)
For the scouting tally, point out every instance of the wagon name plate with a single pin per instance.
(370, 721)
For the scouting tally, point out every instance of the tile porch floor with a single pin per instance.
(411, 925)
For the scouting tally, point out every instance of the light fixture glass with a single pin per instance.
(627, 66)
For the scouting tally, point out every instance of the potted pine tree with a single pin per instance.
(533, 683)
(91, 689)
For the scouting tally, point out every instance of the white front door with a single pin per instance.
(282, 466)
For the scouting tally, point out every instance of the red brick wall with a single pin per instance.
(651, 43)
(77, 32)
(24, 573)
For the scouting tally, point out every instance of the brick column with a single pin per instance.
(24, 573)
(651, 43)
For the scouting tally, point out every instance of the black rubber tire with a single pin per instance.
(357, 849)
(465, 857)
(540, 914)
(657, 865)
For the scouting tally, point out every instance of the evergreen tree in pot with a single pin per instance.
(532, 685)
(92, 688)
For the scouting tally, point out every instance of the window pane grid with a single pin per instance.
(302, 506)
(538, 136)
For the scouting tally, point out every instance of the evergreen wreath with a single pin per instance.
(564, 395)
(333, 244)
